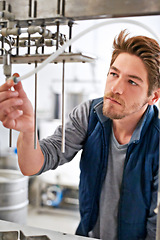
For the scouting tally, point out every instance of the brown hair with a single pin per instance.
(145, 48)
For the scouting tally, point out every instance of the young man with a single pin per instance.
(119, 135)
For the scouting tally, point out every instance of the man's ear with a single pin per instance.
(154, 97)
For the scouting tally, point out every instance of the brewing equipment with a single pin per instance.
(13, 196)
(14, 235)
(12, 231)
(27, 29)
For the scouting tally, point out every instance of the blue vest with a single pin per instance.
(141, 165)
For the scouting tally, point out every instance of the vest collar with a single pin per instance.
(141, 126)
(98, 109)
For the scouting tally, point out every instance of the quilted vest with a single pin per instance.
(141, 165)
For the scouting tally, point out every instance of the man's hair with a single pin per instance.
(145, 48)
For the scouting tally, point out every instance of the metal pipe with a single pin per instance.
(70, 24)
(9, 8)
(63, 108)
(30, 8)
(58, 6)
(42, 45)
(10, 137)
(17, 45)
(4, 5)
(54, 55)
(63, 7)
(7, 73)
(57, 40)
(10, 31)
(29, 42)
(2, 44)
(35, 9)
(35, 111)
(43, 27)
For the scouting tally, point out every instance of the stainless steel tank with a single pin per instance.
(13, 196)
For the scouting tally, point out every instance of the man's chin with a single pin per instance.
(112, 115)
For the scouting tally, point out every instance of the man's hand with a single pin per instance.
(16, 110)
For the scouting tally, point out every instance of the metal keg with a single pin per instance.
(13, 196)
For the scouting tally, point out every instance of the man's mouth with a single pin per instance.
(113, 100)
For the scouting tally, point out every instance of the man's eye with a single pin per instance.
(113, 74)
(133, 83)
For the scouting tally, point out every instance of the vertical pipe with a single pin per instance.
(35, 8)
(42, 45)
(9, 8)
(7, 72)
(10, 137)
(29, 42)
(17, 43)
(29, 39)
(63, 7)
(4, 5)
(58, 6)
(2, 38)
(63, 109)
(30, 8)
(2, 44)
(57, 40)
(10, 130)
(43, 26)
(35, 111)
(58, 12)
(70, 23)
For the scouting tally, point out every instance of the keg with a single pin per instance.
(13, 196)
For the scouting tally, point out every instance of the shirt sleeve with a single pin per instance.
(152, 219)
(75, 134)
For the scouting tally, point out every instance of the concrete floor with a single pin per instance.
(60, 220)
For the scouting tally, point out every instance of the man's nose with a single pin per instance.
(118, 87)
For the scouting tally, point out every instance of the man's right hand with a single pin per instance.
(16, 111)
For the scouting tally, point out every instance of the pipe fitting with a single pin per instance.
(34, 29)
(7, 15)
(46, 33)
(10, 31)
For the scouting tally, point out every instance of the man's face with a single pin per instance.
(126, 87)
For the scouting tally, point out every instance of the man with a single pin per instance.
(119, 135)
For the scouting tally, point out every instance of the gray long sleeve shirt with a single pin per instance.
(75, 134)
